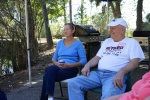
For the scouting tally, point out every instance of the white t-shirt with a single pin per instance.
(116, 55)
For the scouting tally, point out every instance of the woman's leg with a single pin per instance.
(53, 74)
(49, 81)
(66, 74)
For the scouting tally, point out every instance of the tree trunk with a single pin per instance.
(116, 8)
(47, 28)
(64, 8)
(118, 11)
(70, 10)
(139, 21)
(82, 9)
(32, 39)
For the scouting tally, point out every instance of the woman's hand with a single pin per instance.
(58, 64)
(64, 65)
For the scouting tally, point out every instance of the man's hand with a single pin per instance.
(118, 80)
(93, 62)
(85, 71)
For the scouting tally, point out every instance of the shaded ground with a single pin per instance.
(20, 78)
(16, 85)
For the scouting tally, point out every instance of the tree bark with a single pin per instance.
(47, 28)
(82, 9)
(116, 9)
(32, 39)
(64, 8)
(139, 22)
(70, 10)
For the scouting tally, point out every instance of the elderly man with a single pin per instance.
(117, 56)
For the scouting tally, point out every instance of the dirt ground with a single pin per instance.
(18, 79)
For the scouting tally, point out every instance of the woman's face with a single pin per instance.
(68, 31)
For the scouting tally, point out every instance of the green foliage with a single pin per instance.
(81, 16)
(57, 29)
(55, 9)
(148, 17)
(12, 34)
(99, 20)
(42, 33)
(5, 64)
(146, 25)
(12, 26)
(129, 32)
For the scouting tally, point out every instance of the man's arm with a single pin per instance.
(92, 63)
(118, 80)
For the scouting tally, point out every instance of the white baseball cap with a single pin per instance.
(118, 21)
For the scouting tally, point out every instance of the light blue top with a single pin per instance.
(71, 54)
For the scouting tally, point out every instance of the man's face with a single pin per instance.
(116, 31)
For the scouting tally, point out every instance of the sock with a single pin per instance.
(50, 98)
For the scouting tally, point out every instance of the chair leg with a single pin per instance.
(61, 89)
(85, 95)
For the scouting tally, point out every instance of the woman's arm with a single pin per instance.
(82, 54)
(66, 65)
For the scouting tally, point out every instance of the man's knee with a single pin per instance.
(72, 83)
(112, 92)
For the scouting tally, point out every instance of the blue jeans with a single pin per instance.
(55, 74)
(103, 78)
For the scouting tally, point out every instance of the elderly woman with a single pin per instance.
(69, 55)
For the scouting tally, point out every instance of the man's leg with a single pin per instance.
(77, 85)
(116, 97)
(108, 88)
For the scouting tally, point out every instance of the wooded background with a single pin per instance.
(46, 19)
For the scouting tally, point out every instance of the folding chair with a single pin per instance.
(66, 82)
(99, 89)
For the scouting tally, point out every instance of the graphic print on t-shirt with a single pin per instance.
(114, 50)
